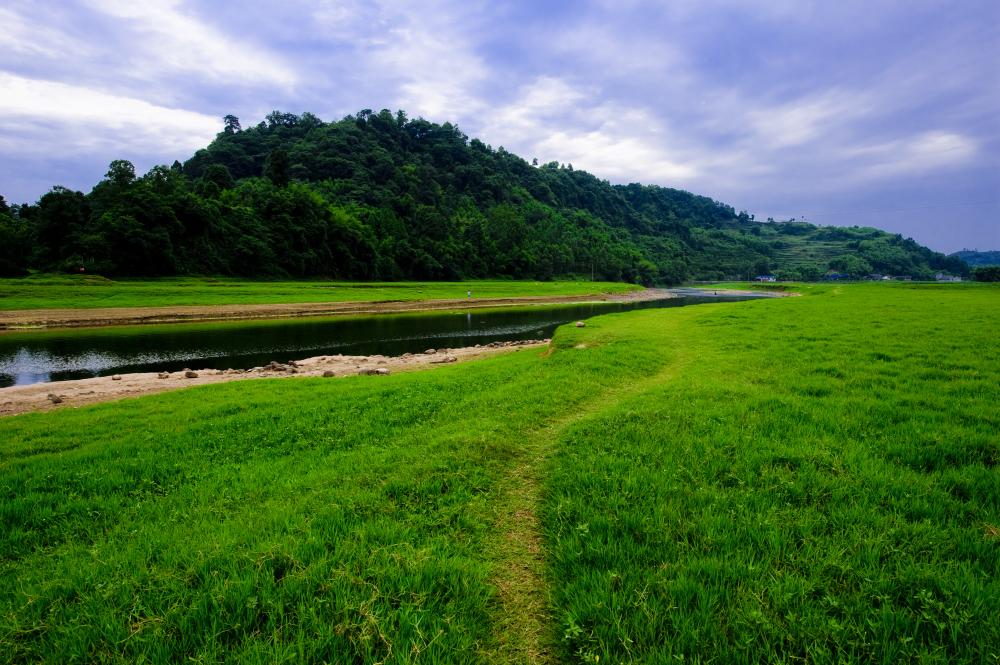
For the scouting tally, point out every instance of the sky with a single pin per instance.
(874, 113)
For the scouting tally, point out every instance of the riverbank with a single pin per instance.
(94, 291)
(127, 316)
(15, 400)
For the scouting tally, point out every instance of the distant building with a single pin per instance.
(837, 276)
(765, 278)
(943, 277)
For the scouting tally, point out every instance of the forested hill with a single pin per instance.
(381, 196)
(974, 258)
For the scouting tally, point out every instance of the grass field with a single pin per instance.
(90, 291)
(804, 479)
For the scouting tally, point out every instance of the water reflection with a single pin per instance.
(74, 354)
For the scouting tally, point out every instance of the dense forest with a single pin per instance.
(382, 196)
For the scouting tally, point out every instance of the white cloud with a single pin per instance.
(28, 37)
(553, 120)
(626, 53)
(739, 144)
(438, 69)
(74, 119)
(420, 57)
(164, 37)
(358, 22)
(617, 158)
(806, 120)
(927, 151)
(545, 102)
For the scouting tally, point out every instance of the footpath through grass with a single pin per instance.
(784, 480)
(90, 291)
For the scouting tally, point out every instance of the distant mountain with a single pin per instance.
(974, 258)
(381, 196)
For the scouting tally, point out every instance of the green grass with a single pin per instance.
(801, 479)
(80, 291)
(793, 287)
(814, 480)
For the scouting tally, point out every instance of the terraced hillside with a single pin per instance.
(802, 251)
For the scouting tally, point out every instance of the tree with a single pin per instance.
(219, 175)
(13, 244)
(136, 248)
(762, 267)
(60, 220)
(232, 124)
(121, 172)
(309, 121)
(279, 119)
(277, 166)
(851, 265)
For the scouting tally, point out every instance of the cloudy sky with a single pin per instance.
(872, 112)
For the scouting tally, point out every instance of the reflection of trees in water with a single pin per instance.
(74, 355)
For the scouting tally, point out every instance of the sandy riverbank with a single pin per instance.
(70, 394)
(126, 316)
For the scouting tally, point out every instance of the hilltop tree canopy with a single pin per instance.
(381, 196)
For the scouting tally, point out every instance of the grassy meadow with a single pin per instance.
(90, 291)
(808, 479)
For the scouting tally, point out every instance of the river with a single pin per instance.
(59, 355)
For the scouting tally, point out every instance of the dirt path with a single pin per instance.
(526, 629)
(523, 632)
(71, 394)
(122, 316)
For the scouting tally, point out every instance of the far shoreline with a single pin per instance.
(48, 319)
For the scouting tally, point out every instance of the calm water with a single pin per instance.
(33, 357)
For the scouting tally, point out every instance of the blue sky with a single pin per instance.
(877, 113)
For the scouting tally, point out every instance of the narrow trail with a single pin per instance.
(526, 630)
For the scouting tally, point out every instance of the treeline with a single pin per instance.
(986, 273)
(382, 196)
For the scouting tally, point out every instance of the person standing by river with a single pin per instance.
(468, 294)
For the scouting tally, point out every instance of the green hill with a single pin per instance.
(973, 258)
(381, 196)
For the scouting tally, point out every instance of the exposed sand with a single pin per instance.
(122, 316)
(69, 394)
